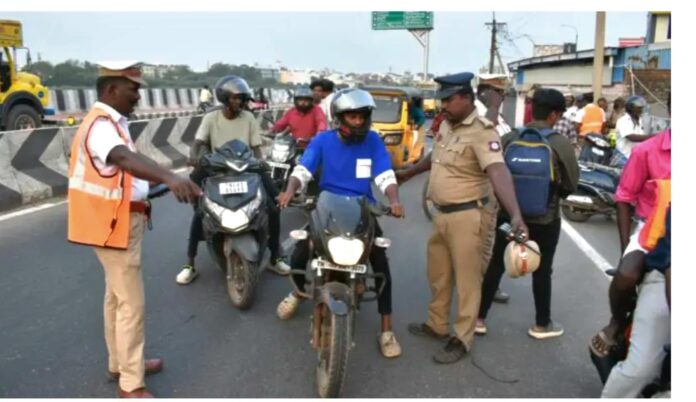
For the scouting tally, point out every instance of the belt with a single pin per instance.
(448, 209)
(139, 207)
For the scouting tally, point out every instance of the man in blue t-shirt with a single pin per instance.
(350, 157)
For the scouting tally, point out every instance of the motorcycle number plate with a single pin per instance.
(597, 152)
(321, 264)
(234, 187)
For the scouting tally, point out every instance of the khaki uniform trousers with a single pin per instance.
(124, 307)
(456, 252)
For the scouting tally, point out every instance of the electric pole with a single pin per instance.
(598, 65)
(495, 26)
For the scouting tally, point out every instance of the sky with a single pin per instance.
(342, 41)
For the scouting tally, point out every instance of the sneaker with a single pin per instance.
(552, 330)
(187, 275)
(280, 267)
(501, 297)
(423, 329)
(453, 351)
(388, 345)
(480, 328)
(288, 307)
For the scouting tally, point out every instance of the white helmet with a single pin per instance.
(520, 260)
(353, 99)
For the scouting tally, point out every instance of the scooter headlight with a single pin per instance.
(231, 220)
(345, 251)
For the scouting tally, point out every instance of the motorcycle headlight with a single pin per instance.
(232, 220)
(279, 154)
(346, 251)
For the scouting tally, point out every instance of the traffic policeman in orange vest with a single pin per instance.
(107, 205)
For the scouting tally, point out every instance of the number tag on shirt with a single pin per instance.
(363, 169)
(236, 187)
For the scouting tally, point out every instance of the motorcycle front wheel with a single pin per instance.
(241, 281)
(332, 352)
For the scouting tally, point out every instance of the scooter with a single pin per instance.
(235, 222)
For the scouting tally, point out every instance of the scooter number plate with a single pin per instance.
(356, 269)
(235, 187)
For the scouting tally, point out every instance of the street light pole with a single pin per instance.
(576, 34)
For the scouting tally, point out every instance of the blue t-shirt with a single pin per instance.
(347, 169)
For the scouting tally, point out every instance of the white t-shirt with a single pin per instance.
(624, 128)
(103, 137)
(501, 126)
(206, 96)
(325, 106)
(570, 113)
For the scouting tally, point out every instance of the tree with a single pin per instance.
(43, 69)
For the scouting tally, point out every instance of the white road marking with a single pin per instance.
(31, 210)
(600, 262)
(41, 207)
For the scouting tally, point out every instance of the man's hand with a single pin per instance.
(519, 228)
(284, 199)
(184, 189)
(396, 210)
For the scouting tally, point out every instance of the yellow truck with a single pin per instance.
(23, 99)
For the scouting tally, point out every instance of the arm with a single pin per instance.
(633, 178)
(623, 222)
(638, 137)
(385, 178)
(143, 168)
(302, 173)
(569, 169)
(198, 149)
(424, 165)
(281, 124)
(201, 144)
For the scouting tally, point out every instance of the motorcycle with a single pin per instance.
(596, 149)
(282, 158)
(235, 222)
(341, 235)
(203, 107)
(595, 194)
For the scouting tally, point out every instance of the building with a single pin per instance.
(643, 70)
(270, 74)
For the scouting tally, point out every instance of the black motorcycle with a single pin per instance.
(596, 149)
(235, 221)
(595, 194)
(282, 158)
(341, 234)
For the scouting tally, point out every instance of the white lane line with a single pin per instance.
(31, 210)
(600, 262)
(41, 207)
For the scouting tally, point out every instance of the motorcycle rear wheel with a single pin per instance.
(332, 353)
(241, 281)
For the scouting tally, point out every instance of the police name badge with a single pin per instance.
(363, 168)
(494, 146)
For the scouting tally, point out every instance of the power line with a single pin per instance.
(495, 26)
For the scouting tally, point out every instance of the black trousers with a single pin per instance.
(378, 260)
(196, 229)
(546, 236)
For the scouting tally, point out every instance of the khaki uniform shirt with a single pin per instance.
(461, 154)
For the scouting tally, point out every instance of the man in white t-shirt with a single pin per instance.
(323, 96)
(629, 128)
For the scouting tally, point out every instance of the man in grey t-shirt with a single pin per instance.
(231, 122)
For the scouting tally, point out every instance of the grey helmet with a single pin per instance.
(303, 92)
(231, 85)
(634, 102)
(352, 99)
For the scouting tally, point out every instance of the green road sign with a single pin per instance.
(402, 20)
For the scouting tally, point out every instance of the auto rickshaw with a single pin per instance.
(430, 104)
(391, 120)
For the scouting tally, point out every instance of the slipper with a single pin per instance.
(609, 345)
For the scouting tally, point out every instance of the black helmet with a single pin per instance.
(353, 100)
(231, 85)
(634, 102)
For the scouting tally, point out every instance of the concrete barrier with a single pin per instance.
(34, 163)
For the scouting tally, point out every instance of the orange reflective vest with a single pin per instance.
(98, 206)
(592, 121)
(654, 227)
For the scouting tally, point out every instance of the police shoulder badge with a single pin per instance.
(494, 146)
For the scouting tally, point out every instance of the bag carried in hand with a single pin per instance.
(530, 161)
